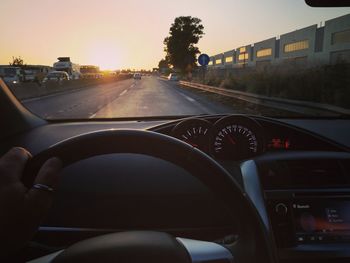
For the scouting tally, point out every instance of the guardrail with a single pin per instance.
(29, 90)
(296, 106)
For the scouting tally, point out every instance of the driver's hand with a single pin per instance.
(22, 209)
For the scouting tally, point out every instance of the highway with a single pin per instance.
(150, 96)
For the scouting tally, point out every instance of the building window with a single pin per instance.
(244, 56)
(228, 59)
(341, 37)
(210, 63)
(264, 52)
(218, 61)
(242, 50)
(300, 45)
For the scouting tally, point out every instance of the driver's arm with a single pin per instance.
(22, 209)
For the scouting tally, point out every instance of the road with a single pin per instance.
(150, 96)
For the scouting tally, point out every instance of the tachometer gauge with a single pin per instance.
(237, 138)
(196, 132)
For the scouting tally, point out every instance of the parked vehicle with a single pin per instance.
(173, 77)
(35, 73)
(11, 75)
(64, 64)
(56, 76)
(137, 76)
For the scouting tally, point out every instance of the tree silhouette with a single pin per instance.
(17, 62)
(180, 47)
(163, 64)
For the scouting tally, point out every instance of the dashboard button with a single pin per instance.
(281, 209)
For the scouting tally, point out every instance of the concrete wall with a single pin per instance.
(30, 90)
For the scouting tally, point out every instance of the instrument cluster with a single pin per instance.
(233, 137)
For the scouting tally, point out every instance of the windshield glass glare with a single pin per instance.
(135, 59)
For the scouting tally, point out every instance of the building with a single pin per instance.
(219, 61)
(266, 52)
(229, 58)
(309, 46)
(336, 44)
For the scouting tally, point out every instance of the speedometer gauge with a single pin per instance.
(237, 138)
(196, 132)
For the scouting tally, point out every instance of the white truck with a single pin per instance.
(64, 64)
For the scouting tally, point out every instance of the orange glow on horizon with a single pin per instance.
(104, 53)
(115, 34)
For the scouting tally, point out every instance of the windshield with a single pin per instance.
(261, 57)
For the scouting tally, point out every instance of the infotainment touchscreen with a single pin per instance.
(320, 217)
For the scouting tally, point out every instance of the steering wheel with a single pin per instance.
(253, 243)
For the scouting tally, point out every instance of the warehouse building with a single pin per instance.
(337, 40)
(266, 52)
(229, 58)
(297, 47)
(219, 61)
(309, 46)
(245, 57)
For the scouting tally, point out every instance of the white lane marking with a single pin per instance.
(188, 98)
(125, 91)
(92, 116)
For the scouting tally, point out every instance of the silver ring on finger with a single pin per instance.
(43, 187)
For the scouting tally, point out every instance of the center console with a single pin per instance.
(302, 218)
(308, 207)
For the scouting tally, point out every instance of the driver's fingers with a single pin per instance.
(13, 162)
(40, 200)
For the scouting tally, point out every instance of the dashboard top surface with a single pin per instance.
(39, 138)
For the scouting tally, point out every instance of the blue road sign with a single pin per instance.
(203, 60)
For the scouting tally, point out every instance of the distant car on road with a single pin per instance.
(173, 77)
(137, 76)
(56, 76)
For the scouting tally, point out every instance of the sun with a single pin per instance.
(105, 54)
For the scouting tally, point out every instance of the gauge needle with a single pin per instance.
(231, 140)
(193, 144)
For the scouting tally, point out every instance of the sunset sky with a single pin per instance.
(129, 34)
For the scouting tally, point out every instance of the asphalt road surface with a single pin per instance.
(147, 97)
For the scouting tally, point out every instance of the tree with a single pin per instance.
(17, 62)
(163, 64)
(180, 47)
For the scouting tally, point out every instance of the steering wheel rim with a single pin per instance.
(254, 243)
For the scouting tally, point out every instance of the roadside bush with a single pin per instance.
(324, 84)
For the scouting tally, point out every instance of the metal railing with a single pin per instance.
(296, 106)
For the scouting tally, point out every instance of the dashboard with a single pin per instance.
(296, 174)
(240, 137)
(298, 180)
